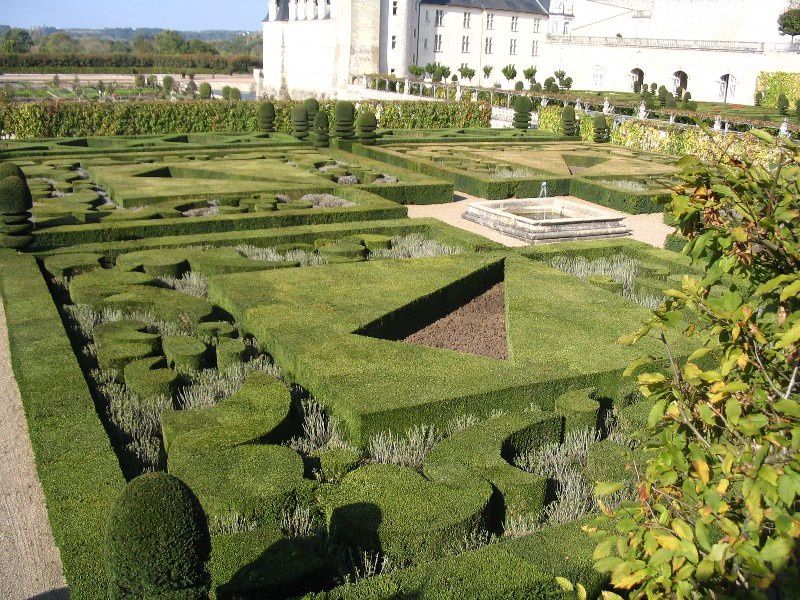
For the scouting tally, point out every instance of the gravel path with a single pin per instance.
(30, 564)
(649, 229)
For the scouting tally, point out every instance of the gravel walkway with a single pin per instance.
(649, 229)
(30, 564)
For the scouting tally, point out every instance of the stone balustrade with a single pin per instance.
(300, 10)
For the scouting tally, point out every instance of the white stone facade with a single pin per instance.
(714, 48)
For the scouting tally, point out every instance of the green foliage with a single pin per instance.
(168, 83)
(158, 541)
(789, 22)
(266, 117)
(300, 121)
(126, 63)
(600, 129)
(416, 71)
(509, 72)
(522, 112)
(773, 84)
(759, 98)
(466, 72)
(783, 104)
(16, 41)
(663, 96)
(312, 108)
(568, 123)
(716, 510)
(487, 71)
(366, 124)
(235, 94)
(205, 91)
(530, 74)
(345, 119)
(320, 137)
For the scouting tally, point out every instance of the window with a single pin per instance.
(465, 43)
(437, 42)
(415, 33)
(426, 44)
(566, 27)
(439, 18)
(512, 47)
(514, 23)
(394, 42)
(487, 46)
(535, 48)
(427, 16)
(490, 21)
(537, 23)
(599, 76)
(394, 7)
(466, 19)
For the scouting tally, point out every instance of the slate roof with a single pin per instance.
(539, 7)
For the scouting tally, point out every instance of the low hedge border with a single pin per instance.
(78, 468)
(630, 202)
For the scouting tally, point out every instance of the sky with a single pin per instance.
(185, 15)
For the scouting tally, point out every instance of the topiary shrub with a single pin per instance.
(663, 96)
(671, 102)
(15, 204)
(345, 119)
(205, 91)
(234, 94)
(519, 86)
(522, 112)
(321, 135)
(266, 117)
(600, 129)
(568, 122)
(759, 98)
(783, 104)
(687, 96)
(226, 92)
(300, 122)
(158, 541)
(366, 124)
(7, 169)
(312, 108)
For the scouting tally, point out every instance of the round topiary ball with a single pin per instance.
(15, 197)
(8, 169)
(158, 541)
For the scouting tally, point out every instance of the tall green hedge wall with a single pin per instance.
(71, 119)
(126, 63)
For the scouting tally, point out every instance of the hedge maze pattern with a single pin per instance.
(238, 305)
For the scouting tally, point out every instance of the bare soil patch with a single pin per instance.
(478, 327)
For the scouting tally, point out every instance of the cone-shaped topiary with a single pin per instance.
(300, 122)
(158, 541)
(522, 112)
(345, 118)
(600, 129)
(15, 202)
(568, 121)
(320, 137)
(366, 124)
(312, 106)
(266, 117)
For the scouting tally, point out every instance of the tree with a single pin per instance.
(759, 98)
(168, 83)
(567, 83)
(430, 68)
(466, 72)
(530, 74)
(444, 71)
(789, 22)
(487, 71)
(783, 104)
(58, 43)
(416, 71)
(16, 41)
(716, 509)
(195, 46)
(143, 45)
(170, 42)
(509, 72)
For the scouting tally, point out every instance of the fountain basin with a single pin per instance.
(544, 220)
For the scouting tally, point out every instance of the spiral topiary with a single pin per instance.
(345, 118)
(312, 107)
(300, 122)
(320, 137)
(266, 117)
(366, 124)
(568, 121)
(522, 112)
(600, 129)
(158, 541)
(15, 204)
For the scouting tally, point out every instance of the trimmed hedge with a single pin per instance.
(158, 541)
(31, 62)
(623, 200)
(27, 120)
(78, 469)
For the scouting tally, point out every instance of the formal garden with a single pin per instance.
(247, 373)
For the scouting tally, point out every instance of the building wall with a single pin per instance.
(453, 53)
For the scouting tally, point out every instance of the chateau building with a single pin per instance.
(713, 48)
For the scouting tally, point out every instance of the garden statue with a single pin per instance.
(672, 119)
(718, 123)
(784, 128)
(643, 112)
(607, 108)
(578, 105)
(544, 102)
